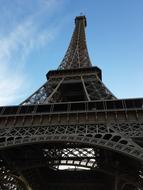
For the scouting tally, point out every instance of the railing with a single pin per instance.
(102, 105)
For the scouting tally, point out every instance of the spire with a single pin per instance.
(77, 53)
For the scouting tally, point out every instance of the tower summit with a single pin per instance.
(81, 19)
(72, 133)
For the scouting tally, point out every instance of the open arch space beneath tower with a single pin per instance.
(67, 166)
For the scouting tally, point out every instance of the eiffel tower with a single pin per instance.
(72, 133)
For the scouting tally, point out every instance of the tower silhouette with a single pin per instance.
(72, 133)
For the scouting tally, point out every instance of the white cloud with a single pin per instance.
(15, 48)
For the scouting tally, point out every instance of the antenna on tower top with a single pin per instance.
(82, 13)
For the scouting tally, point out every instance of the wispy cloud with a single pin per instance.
(16, 45)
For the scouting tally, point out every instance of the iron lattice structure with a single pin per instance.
(72, 132)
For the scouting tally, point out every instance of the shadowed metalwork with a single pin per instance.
(72, 133)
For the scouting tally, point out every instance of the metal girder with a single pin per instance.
(51, 91)
(10, 181)
(40, 96)
(76, 58)
(107, 124)
(72, 157)
(113, 129)
(77, 157)
(77, 54)
(97, 135)
(37, 97)
(96, 89)
(54, 158)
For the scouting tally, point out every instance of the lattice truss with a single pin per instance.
(89, 158)
(77, 159)
(74, 157)
(9, 180)
(76, 57)
(77, 53)
(112, 136)
(43, 92)
(122, 137)
(52, 91)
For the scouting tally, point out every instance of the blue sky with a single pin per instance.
(34, 36)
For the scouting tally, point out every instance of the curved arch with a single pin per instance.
(120, 147)
(77, 134)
